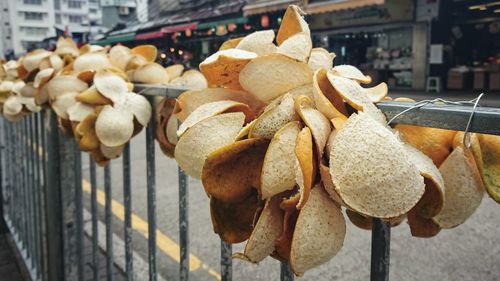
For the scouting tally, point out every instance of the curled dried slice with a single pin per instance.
(119, 56)
(463, 188)
(166, 124)
(137, 105)
(62, 84)
(422, 227)
(377, 93)
(230, 44)
(79, 111)
(203, 138)
(43, 77)
(276, 175)
(223, 68)
(110, 85)
(292, 23)
(432, 201)
(191, 79)
(233, 221)
(148, 52)
(62, 103)
(435, 143)
(86, 134)
(490, 147)
(93, 97)
(375, 176)
(305, 168)
(355, 96)
(351, 72)
(276, 74)
(274, 118)
(111, 152)
(33, 59)
(268, 228)
(319, 232)
(297, 46)
(114, 126)
(326, 179)
(175, 70)
(150, 73)
(259, 42)
(190, 100)
(214, 108)
(91, 61)
(317, 122)
(320, 58)
(359, 220)
(231, 172)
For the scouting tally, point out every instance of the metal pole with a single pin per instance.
(127, 202)
(108, 217)
(226, 262)
(183, 225)
(151, 194)
(381, 242)
(286, 273)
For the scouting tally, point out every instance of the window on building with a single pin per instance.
(39, 31)
(93, 11)
(74, 4)
(75, 19)
(33, 16)
(58, 19)
(32, 2)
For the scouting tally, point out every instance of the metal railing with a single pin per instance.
(41, 176)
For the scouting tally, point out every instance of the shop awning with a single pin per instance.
(116, 39)
(179, 27)
(337, 5)
(149, 35)
(265, 6)
(240, 20)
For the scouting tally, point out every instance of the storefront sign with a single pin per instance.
(391, 11)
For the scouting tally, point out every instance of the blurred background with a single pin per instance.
(410, 44)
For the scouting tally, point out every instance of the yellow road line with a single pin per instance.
(164, 243)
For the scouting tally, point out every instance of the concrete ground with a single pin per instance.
(468, 252)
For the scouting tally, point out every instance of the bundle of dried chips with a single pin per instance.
(283, 140)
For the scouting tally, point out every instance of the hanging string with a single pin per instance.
(466, 141)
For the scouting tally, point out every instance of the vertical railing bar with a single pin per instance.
(2, 170)
(127, 202)
(10, 156)
(31, 158)
(79, 214)
(38, 196)
(93, 210)
(380, 256)
(27, 188)
(286, 273)
(151, 194)
(19, 185)
(15, 179)
(183, 225)
(24, 175)
(43, 198)
(226, 262)
(109, 223)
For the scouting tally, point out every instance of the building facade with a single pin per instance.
(118, 11)
(82, 19)
(25, 23)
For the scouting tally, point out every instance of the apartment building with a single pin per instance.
(80, 18)
(118, 11)
(25, 23)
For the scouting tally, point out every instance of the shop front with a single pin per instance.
(380, 37)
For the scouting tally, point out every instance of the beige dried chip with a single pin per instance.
(119, 56)
(230, 44)
(276, 74)
(114, 126)
(297, 46)
(66, 46)
(79, 111)
(91, 61)
(62, 103)
(214, 108)
(191, 79)
(375, 177)
(33, 59)
(355, 96)
(268, 228)
(203, 138)
(174, 70)
(150, 73)
(377, 93)
(93, 97)
(490, 147)
(232, 172)
(326, 179)
(42, 77)
(274, 119)
(110, 85)
(435, 143)
(233, 221)
(326, 98)
(223, 68)
(190, 100)
(292, 23)
(351, 72)
(259, 42)
(464, 189)
(86, 135)
(111, 152)
(148, 52)
(277, 171)
(320, 58)
(432, 201)
(166, 126)
(422, 227)
(363, 222)
(305, 166)
(317, 122)
(62, 84)
(319, 232)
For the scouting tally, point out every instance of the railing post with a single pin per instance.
(60, 203)
(381, 242)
